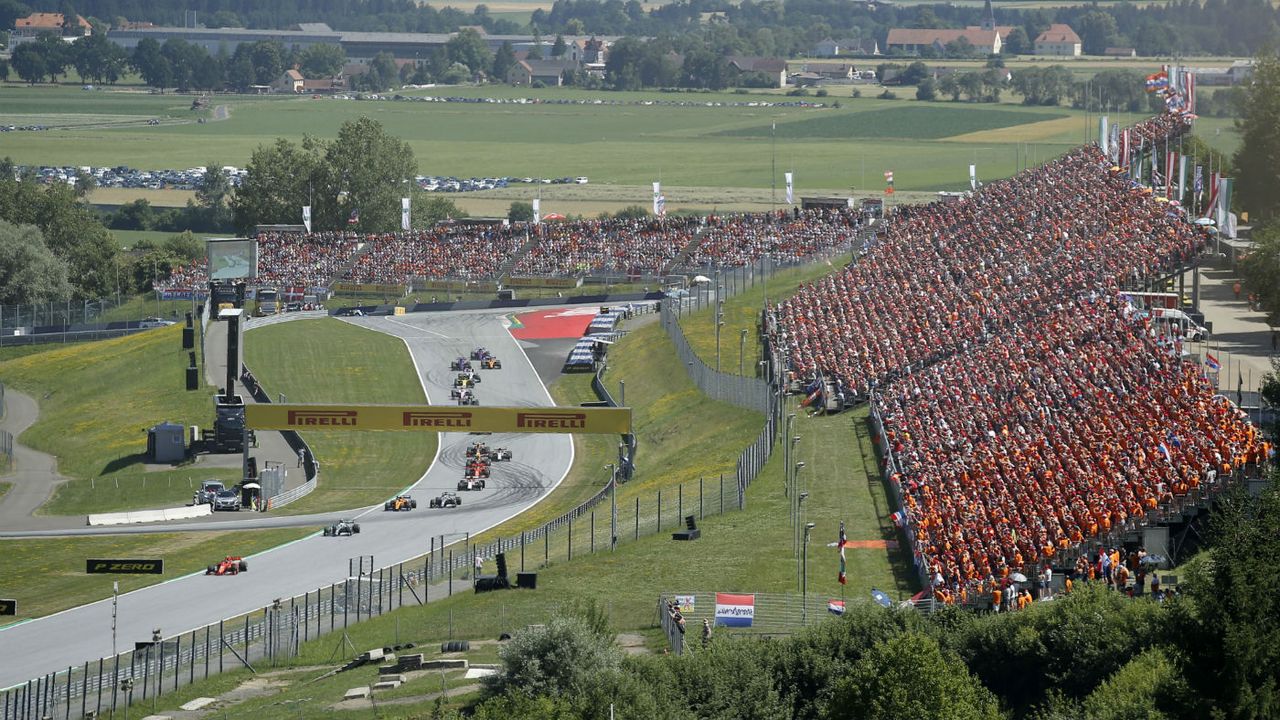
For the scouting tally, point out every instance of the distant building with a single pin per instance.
(1120, 52)
(38, 23)
(913, 41)
(290, 81)
(548, 72)
(1058, 40)
(1238, 73)
(848, 46)
(775, 68)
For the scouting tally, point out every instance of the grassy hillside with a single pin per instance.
(332, 361)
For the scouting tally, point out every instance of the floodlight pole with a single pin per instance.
(804, 578)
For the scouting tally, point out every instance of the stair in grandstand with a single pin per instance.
(362, 249)
(683, 256)
(504, 270)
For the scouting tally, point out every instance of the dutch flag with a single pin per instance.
(1212, 362)
(733, 610)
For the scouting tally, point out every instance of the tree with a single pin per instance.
(97, 59)
(212, 196)
(535, 47)
(29, 63)
(503, 60)
(1017, 43)
(1097, 31)
(151, 64)
(915, 72)
(520, 211)
(382, 72)
(1261, 271)
(559, 48)
(85, 183)
(29, 271)
(268, 60)
(1257, 161)
(469, 49)
(430, 209)
(281, 179)
(927, 90)
(365, 171)
(1150, 686)
(910, 676)
(560, 658)
(322, 60)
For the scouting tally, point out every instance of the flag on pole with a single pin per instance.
(1212, 362)
(660, 206)
(657, 194)
(1190, 79)
(1103, 135)
(1182, 177)
(1170, 162)
(537, 210)
(791, 198)
(888, 181)
(404, 213)
(306, 217)
(1214, 186)
(841, 578)
(973, 177)
(355, 216)
(1124, 148)
(835, 607)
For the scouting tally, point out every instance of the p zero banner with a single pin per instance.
(735, 610)
(435, 418)
(8, 607)
(368, 289)
(98, 566)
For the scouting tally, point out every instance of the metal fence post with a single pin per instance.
(521, 551)
(450, 575)
(679, 502)
(571, 536)
(701, 514)
(637, 517)
(593, 532)
(222, 638)
(659, 510)
(246, 635)
(346, 603)
(546, 544)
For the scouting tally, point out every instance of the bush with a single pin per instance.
(857, 92)
(927, 90)
(562, 658)
(520, 211)
(821, 92)
(798, 92)
(887, 95)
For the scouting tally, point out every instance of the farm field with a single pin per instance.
(837, 149)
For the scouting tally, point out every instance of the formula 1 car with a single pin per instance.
(342, 527)
(230, 565)
(481, 451)
(477, 450)
(470, 484)
(466, 379)
(466, 397)
(460, 364)
(481, 354)
(446, 500)
(491, 363)
(499, 455)
(476, 469)
(401, 502)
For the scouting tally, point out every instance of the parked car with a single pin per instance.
(209, 489)
(226, 500)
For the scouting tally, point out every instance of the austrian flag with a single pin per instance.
(735, 610)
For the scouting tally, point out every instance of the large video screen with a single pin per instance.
(233, 259)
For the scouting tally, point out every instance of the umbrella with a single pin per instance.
(1018, 577)
(1204, 221)
(251, 486)
(881, 597)
(553, 216)
(701, 278)
(1154, 560)
(1162, 200)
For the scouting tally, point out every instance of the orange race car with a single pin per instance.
(401, 502)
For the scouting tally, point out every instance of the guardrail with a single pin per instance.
(6, 438)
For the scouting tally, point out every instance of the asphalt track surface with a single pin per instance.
(540, 462)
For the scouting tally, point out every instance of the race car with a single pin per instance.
(466, 397)
(342, 527)
(499, 455)
(491, 363)
(481, 354)
(477, 450)
(466, 380)
(446, 500)
(460, 364)
(230, 565)
(481, 451)
(476, 469)
(470, 484)
(401, 502)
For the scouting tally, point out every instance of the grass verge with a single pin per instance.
(332, 361)
(96, 401)
(53, 569)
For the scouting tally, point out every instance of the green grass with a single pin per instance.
(626, 145)
(53, 569)
(129, 238)
(9, 352)
(96, 400)
(4, 486)
(914, 122)
(330, 361)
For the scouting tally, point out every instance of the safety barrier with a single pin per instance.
(146, 516)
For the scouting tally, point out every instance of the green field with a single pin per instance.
(615, 145)
(53, 569)
(917, 121)
(332, 361)
(96, 401)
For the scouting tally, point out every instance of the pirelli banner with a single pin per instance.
(435, 418)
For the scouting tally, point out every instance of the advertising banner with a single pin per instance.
(232, 259)
(437, 418)
(542, 282)
(686, 603)
(735, 610)
(368, 289)
(123, 567)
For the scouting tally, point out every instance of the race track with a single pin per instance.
(540, 462)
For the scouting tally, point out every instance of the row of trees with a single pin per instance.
(1211, 651)
(1257, 177)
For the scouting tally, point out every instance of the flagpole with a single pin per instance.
(773, 166)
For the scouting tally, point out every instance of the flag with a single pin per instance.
(1182, 177)
(900, 518)
(1164, 450)
(1212, 362)
(1190, 81)
(1173, 439)
(355, 216)
(1225, 186)
(1170, 162)
(306, 217)
(1212, 203)
(841, 577)
(537, 210)
(1103, 135)
(734, 610)
(973, 177)
(1157, 81)
(835, 607)
(404, 213)
(888, 181)
(660, 206)
(1124, 148)
(791, 200)
(657, 195)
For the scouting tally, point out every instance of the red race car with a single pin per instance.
(230, 565)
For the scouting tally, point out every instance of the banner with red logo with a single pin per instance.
(436, 418)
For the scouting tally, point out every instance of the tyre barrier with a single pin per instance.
(455, 646)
